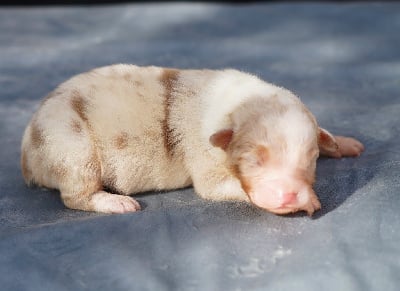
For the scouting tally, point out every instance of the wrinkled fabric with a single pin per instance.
(343, 60)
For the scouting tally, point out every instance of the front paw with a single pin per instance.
(348, 147)
(112, 203)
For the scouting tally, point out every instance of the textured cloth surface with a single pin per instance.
(343, 60)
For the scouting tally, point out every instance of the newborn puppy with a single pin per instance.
(125, 129)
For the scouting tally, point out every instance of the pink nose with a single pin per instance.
(289, 198)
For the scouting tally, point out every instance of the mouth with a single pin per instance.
(309, 208)
(305, 201)
(280, 210)
(284, 210)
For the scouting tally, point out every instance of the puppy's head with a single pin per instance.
(272, 148)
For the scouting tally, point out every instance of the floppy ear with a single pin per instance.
(327, 144)
(222, 138)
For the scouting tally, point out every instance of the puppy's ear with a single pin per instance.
(222, 138)
(327, 144)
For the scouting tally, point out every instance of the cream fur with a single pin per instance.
(131, 129)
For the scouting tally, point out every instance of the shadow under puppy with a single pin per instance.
(132, 129)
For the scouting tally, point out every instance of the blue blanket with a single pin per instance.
(344, 62)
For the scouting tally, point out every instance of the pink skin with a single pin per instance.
(285, 195)
(288, 193)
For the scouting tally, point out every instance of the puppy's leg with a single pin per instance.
(348, 146)
(338, 146)
(81, 188)
(214, 181)
(99, 201)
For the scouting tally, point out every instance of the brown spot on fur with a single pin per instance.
(59, 171)
(79, 105)
(262, 155)
(243, 181)
(127, 77)
(37, 137)
(170, 136)
(138, 83)
(93, 166)
(245, 185)
(76, 126)
(121, 140)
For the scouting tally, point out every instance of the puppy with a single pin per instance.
(125, 129)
